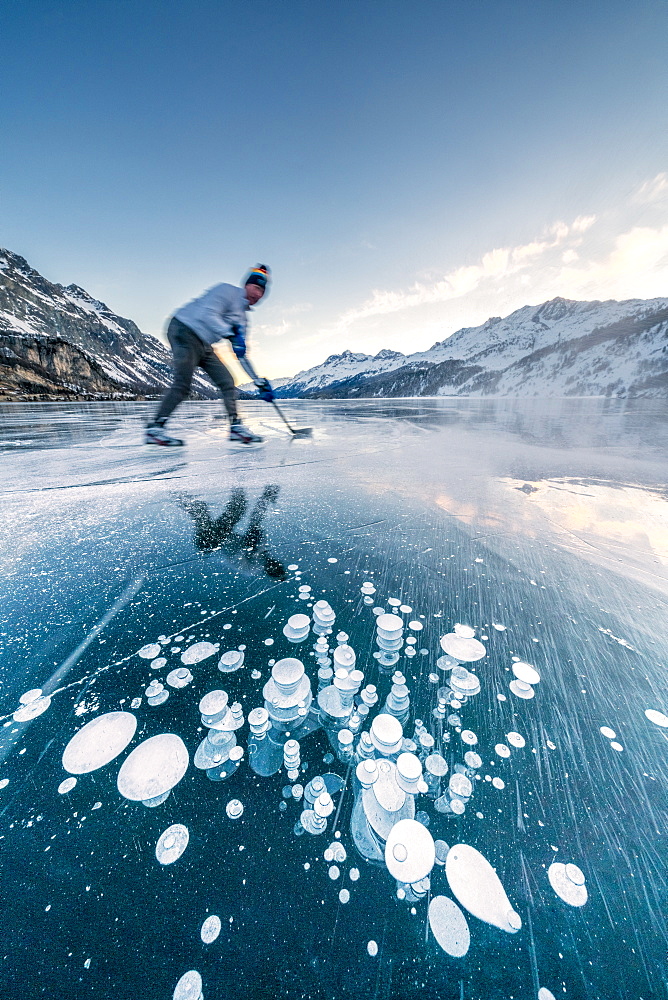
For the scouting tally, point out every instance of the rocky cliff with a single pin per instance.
(59, 342)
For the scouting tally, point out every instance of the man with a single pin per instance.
(220, 313)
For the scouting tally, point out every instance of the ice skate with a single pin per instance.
(243, 437)
(158, 435)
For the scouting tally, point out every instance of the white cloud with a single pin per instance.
(636, 266)
(496, 264)
(621, 253)
(652, 190)
(583, 223)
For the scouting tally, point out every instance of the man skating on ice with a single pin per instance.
(218, 314)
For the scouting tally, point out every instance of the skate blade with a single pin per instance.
(240, 446)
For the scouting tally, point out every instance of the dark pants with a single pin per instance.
(189, 353)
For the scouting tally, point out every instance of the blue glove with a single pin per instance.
(238, 342)
(265, 390)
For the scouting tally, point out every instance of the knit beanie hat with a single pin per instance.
(258, 275)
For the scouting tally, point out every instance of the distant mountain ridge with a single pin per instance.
(60, 342)
(560, 348)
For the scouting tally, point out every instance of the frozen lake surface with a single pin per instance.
(171, 849)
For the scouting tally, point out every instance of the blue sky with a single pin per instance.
(406, 167)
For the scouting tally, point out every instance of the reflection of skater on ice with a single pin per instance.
(213, 534)
(218, 314)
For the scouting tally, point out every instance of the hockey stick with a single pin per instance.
(295, 431)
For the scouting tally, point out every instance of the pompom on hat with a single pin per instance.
(259, 275)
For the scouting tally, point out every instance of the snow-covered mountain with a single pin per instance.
(59, 341)
(249, 390)
(560, 348)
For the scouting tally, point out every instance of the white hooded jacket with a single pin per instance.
(212, 315)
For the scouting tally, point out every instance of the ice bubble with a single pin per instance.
(499, 628)
(230, 661)
(293, 566)
(469, 737)
(354, 874)
(30, 696)
(197, 652)
(525, 672)
(572, 892)
(462, 649)
(339, 852)
(478, 888)
(32, 710)
(449, 927)
(465, 631)
(617, 746)
(214, 703)
(344, 896)
(502, 750)
(332, 560)
(153, 768)
(609, 733)
(189, 986)
(389, 626)
(460, 785)
(658, 718)
(372, 948)
(520, 689)
(172, 843)
(234, 809)
(334, 872)
(150, 651)
(269, 642)
(441, 849)
(5, 782)
(516, 740)
(472, 759)
(409, 771)
(66, 786)
(179, 678)
(416, 626)
(498, 783)
(99, 742)
(409, 851)
(405, 609)
(135, 703)
(545, 994)
(158, 663)
(210, 929)
(158, 699)
(575, 874)
(386, 733)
